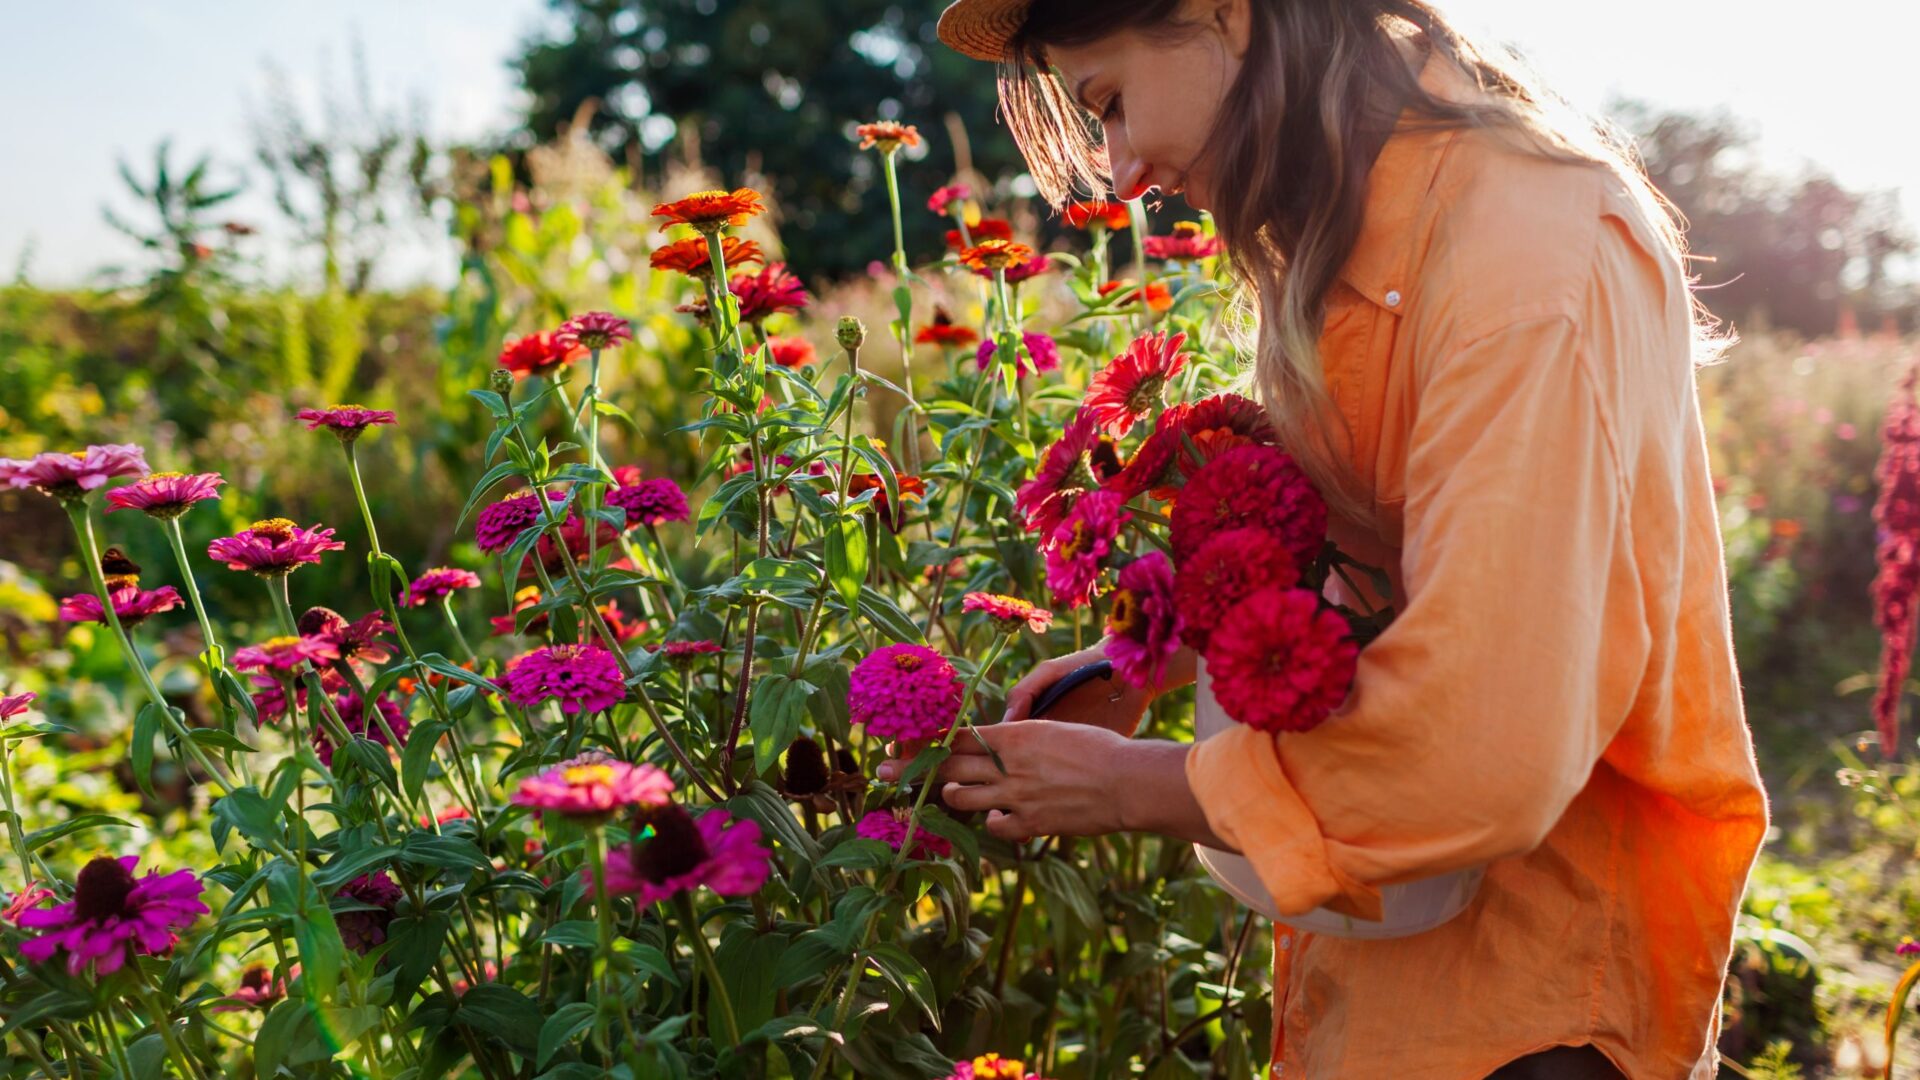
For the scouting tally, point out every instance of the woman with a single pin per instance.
(1476, 333)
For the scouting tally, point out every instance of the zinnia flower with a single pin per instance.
(1010, 612)
(992, 1067)
(1041, 355)
(1020, 272)
(904, 691)
(1225, 570)
(1063, 477)
(132, 604)
(944, 198)
(284, 653)
(1108, 215)
(345, 421)
(887, 135)
(594, 787)
(890, 828)
(165, 495)
(274, 547)
(1186, 437)
(24, 901)
(361, 930)
(582, 678)
(1280, 661)
(593, 331)
(772, 291)
(716, 850)
(354, 715)
(1080, 546)
(1128, 389)
(790, 352)
(651, 502)
(984, 229)
(1896, 585)
(690, 256)
(684, 653)
(500, 524)
(1187, 243)
(438, 584)
(257, 990)
(356, 640)
(1157, 296)
(711, 211)
(1144, 626)
(1251, 485)
(944, 332)
(113, 915)
(538, 354)
(912, 489)
(12, 705)
(69, 476)
(996, 254)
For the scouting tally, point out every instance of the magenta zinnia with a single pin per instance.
(356, 640)
(943, 199)
(285, 653)
(1040, 355)
(131, 603)
(346, 421)
(71, 475)
(438, 584)
(12, 705)
(1010, 612)
(1280, 661)
(354, 715)
(581, 678)
(904, 691)
(1080, 546)
(1225, 570)
(1187, 243)
(1257, 486)
(1063, 477)
(592, 331)
(594, 786)
(1896, 586)
(361, 930)
(651, 502)
(890, 828)
(165, 495)
(1129, 388)
(274, 547)
(716, 850)
(1144, 627)
(114, 915)
(772, 291)
(501, 523)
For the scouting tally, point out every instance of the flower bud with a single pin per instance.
(852, 333)
(501, 381)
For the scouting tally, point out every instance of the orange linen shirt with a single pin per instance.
(1557, 697)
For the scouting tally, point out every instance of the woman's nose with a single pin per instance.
(1129, 172)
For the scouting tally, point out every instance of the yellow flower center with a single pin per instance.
(331, 408)
(907, 662)
(1078, 543)
(528, 595)
(272, 529)
(281, 642)
(1187, 230)
(586, 775)
(1126, 611)
(165, 476)
(77, 455)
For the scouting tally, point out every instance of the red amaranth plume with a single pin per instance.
(1896, 586)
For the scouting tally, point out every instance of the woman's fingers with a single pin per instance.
(1046, 673)
(969, 769)
(1008, 826)
(972, 797)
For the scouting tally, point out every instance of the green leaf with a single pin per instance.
(901, 969)
(573, 934)
(246, 810)
(40, 838)
(571, 1019)
(886, 616)
(351, 864)
(779, 704)
(218, 739)
(417, 758)
(847, 557)
(504, 1013)
(314, 932)
(746, 961)
(858, 854)
(146, 728)
(608, 408)
(445, 852)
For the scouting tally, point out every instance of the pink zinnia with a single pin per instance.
(772, 291)
(1041, 354)
(24, 901)
(594, 786)
(1144, 627)
(71, 475)
(257, 990)
(284, 653)
(1020, 272)
(904, 691)
(438, 584)
(944, 198)
(684, 852)
(686, 652)
(1225, 570)
(1258, 486)
(133, 604)
(1063, 477)
(1187, 243)
(346, 421)
(890, 828)
(651, 502)
(12, 705)
(501, 523)
(1129, 388)
(356, 640)
(582, 678)
(1010, 612)
(114, 915)
(1896, 586)
(593, 331)
(274, 547)
(165, 495)
(354, 715)
(1080, 546)
(1280, 661)
(362, 930)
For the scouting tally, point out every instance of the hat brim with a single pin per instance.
(982, 28)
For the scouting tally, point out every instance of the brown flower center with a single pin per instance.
(906, 662)
(101, 890)
(806, 767)
(321, 620)
(1126, 612)
(676, 847)
(1077, 543)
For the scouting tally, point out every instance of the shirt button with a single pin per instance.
(1285, 942)
(1393, 298)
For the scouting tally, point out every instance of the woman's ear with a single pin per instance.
(1233, 21)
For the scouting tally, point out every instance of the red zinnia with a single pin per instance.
(1280, 661)
(1186, 437)
(1225, 570)
(944, 332)
(987, 228)
(912, 489)
(1251, 486)
(538, 354)
(887, 135)
(1187, 242)
(1064, 475)
(1897, 584)
(1128, 389)
(1158, 297)
(1111, 215)
(690, 256)
(710, 211)
(791, 352)
(770, 292)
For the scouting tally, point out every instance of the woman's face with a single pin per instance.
(1157, 95)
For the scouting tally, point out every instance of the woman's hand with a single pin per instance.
(1106, 703)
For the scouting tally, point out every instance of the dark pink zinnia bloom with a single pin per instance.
(12, 705)
(273, 547)
(359, 724)
(944, 198)
(1896, 585)
(1225, 570)
(772, 291)
(72, 475)
(1258, 486)
(501, 523)
(438, 584)
(904, 691)
(1280, 661)
(1022, 271)
(1063, 476)
(716, 850)
(133, 604)
(285, 653)
(1144, 627)
(538, 354)
(113, 915)
(890, 828)
(356, 640)
(686, 652)
(257, 990)
(582, 678)
(1041, 354)
(1081, 545)
(651, 502)
(1187, 243)
(594, 330)
(361, 930)
(1010, 612)
(594, 786)
(346, 421)
(165, 495)
(1129, 388)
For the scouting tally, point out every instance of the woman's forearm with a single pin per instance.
(1151, 787)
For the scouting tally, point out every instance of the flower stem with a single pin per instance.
(603, 917)
(16, 828)
(903, 332)
(684, 905)
(214, 655)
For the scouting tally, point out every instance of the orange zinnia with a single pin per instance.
(1113, 215)
(1159, 298)
(710, 211)
(887, 135)
(996, 254)
(690, 256)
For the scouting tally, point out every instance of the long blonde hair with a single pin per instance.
(1326, 75)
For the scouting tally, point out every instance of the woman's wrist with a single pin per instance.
(1152, 793)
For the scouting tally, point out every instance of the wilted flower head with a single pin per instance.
(850, 332)
(131, 604)
(1144, 626)
(805, 771)
(594, 787)
(772, 291)
(284, 653)
(904, 691)
(684, 852)
(581, 678)
(1103, 214)
(438, 584)
(362, 930)
(69, 476)
(1130, 387)
(711, 211)
(112, 916)
(165, 495)
(943, 199)
(345, 421)
(887, 135)
(1187, 242)
(1280, 661)
(1010, 612)
(1080, 546)
(996, 254)
(593, 330)
(890, 828)
(690, 256)
(24, 901)
(538, 354)
(274, 547)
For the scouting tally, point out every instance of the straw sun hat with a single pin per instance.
(982, 28)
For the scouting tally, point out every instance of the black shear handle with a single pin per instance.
(1071, 681)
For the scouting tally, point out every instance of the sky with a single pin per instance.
(91, 82)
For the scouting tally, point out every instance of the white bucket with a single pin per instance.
(1405, 909)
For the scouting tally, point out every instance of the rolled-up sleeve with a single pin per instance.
(1480, 713)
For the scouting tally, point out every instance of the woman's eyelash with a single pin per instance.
(1113, 108)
